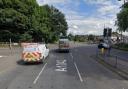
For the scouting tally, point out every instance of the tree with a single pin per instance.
(25, 37)
(91, 37)
(25, 18)
(122, 18)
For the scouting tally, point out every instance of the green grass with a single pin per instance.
(121, 46)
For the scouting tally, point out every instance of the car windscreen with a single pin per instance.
(30, 49)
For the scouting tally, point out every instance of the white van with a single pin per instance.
(34, 52)
(64, 44)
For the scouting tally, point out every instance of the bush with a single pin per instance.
(121, 46)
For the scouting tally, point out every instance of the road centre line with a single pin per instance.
(78, 72)
(35, 81)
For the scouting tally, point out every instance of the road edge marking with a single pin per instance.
(78, 72)
(35, 81)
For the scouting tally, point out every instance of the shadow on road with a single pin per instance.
(60, 51)
(21, 62)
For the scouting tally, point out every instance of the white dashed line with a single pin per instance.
(35, 81)
(71, 55)
(78, 72)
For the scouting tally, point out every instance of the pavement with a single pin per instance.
(73, 70)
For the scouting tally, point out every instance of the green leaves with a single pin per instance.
(122, 18)
(31, 21)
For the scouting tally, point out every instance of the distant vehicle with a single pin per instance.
(104, 44)
(64, 44)
(34, 52)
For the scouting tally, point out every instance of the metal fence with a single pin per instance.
(114, 60)
(7, 44)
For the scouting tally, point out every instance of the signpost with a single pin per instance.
(10, 43)
(107, 38)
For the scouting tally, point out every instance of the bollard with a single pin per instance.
(102, 50)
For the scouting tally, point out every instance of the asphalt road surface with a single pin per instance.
(73, 70)
(123, 55)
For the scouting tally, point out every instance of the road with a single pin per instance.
(74, 70)
(123, 55)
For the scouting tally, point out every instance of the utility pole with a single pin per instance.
(10, 43)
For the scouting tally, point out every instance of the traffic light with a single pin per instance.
(109, 32)
(105, 32)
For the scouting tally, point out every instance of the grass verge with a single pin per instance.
(121, 46)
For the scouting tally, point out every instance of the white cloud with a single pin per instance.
(80, 23)
(89, 25)
(102, 2)
(109, 9)
(42, 2)
(75, 27)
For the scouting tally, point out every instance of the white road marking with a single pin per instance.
(35, 81)
(77, 69)
(71, 55)
(78, 72)
(2, 56)
(61, 65)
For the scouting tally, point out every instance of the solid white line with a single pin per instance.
(39, 74)
(78, 72)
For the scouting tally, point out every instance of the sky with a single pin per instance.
(87, 16)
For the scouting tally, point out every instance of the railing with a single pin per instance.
(7, 44)
(113, 60)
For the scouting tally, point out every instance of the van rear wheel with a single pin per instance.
(42, 60)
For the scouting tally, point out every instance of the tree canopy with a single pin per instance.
(25, 18)
(122, 18)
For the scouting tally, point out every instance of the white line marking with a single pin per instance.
(78, 72)
(71, 55)
(39, 74)
(1, 56)
(61, 65)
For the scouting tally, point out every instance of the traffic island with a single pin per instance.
(113, 63)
